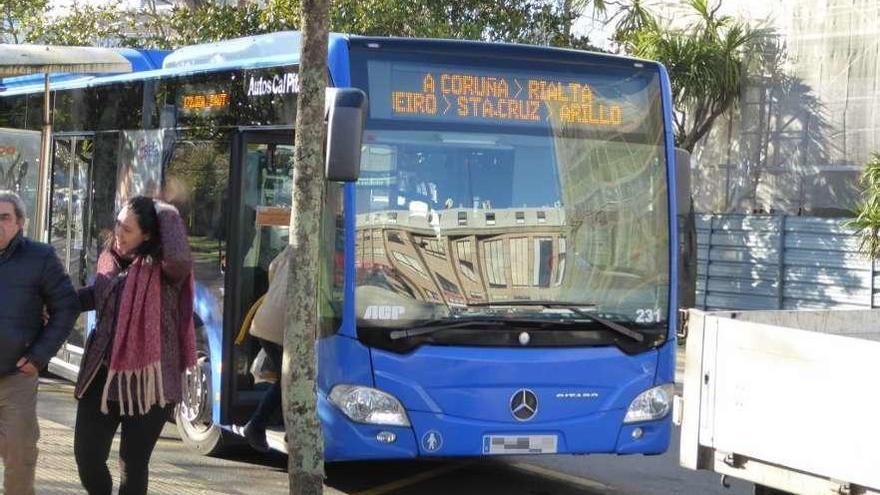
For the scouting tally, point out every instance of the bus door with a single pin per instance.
(262, 164)
(69, 213)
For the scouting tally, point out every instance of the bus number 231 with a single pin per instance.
(648, 315)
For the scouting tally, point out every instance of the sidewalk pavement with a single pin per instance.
(57, 474)
(173, 469)
(56, 467)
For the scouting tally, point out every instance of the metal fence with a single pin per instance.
(781, 262)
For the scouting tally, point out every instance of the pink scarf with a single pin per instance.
(136, 356)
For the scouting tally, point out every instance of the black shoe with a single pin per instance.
(256, 437)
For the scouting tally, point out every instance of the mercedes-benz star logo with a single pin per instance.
(524, 404)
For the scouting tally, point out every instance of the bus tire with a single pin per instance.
(194, 414)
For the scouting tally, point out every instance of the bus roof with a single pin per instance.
(498, 50)
(140, 60)
(283, 48)
(250, 52)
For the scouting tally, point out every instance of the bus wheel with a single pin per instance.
(194, 413)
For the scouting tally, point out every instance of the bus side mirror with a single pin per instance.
(683, 181)
(345, 111)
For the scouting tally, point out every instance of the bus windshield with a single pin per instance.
(494, 191)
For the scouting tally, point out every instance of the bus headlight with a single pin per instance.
(654, 403)
(368, 405)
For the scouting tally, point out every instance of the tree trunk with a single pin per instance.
(567, 19)
(305, 444)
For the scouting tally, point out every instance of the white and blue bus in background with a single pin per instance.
(500, 278)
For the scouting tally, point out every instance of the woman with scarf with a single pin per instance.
(132, 370)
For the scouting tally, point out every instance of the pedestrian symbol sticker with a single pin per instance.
(432, 441)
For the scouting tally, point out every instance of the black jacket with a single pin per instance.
(31, 276)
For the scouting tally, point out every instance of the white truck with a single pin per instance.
(789, 400)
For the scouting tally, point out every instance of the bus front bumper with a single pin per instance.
(438, 435)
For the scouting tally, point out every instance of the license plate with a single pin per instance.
(519, 444)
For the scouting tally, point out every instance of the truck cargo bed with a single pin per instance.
(794, 392)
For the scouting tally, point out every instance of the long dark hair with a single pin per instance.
(144, 209)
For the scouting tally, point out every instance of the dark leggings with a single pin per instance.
(94, 434)
(271, 401)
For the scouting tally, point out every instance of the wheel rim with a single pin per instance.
(195, 407)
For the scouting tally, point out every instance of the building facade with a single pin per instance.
(801, 133)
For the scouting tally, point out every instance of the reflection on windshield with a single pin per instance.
(446, 221)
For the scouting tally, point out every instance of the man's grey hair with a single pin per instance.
(17, 204)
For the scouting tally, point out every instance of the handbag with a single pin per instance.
(271, 316)
(263, 369)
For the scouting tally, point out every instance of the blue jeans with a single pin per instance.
(271, 401)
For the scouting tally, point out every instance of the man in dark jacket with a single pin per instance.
(31, 279)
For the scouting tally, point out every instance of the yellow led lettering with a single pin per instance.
(472, 97)
(194, 102)
(474, 103)
(588, 115)
(205, 101)
(218, 100)
(446, 84)
(456, 84)
(428, 84)
(514, 109)
(586, 95)
(534, 111)
(499, 87)
(430, 104)
(406, 102)
(575, 90)
(557, 93)
(462, 106)
(398, 101)
(552, 91)
(467, 85)
(534, 90)
(508, 109)
(569, 113)
(488, 111)
(538, 90)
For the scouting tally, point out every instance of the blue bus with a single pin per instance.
(500, 278)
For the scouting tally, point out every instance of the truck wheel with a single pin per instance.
(194, 414)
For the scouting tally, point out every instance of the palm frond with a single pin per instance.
(866, 224)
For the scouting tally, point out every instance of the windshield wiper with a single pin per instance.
(438, 325)
(574, 308)
(472, 321)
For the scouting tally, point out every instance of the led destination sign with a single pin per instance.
(243, 95)
(204, 101)
(410, 91)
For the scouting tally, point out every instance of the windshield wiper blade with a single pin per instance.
(443, 325)
(439, 325)
(525, 302)
(574, 308)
